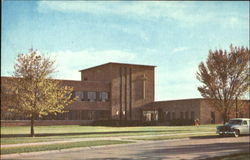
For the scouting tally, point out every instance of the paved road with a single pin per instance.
(198, 148)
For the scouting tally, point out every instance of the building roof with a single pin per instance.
(240, 119)
(186, 99)
(110, 63)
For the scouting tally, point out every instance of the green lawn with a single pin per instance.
(19, 135)
(36, 148)
(96, 129)
(56, 133)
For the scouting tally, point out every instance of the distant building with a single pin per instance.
(125, 92)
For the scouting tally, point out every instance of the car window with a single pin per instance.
(235, 122)
(244, 122)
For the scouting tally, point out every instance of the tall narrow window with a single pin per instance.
(85, 96)
(173, 116)
(103, 96)
(192, 115)
(213, 117)
(181, 115)
(186, 115)
(91, 96)
(144, 86)
(168, 115)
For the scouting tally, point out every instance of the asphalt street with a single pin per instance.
(195, 148)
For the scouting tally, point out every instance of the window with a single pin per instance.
(186, 115)
(241, 115)
(103, 96)
(181, 115)
(213, 117)
(91, 115)
(173, 115)
(150, 115)
(192, 115)
(91, 96)
(244, 123)
(235, 122)
(168, 115)
(79, 95)
(74, 115)
(85, 96)
(139, 89)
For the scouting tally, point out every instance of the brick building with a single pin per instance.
(126, 92)
(189, 109)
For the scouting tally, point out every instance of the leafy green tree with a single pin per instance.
(34, 93)
(224, 77)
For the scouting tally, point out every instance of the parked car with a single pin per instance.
(236, 127)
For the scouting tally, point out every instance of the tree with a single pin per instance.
(224, 78)
(34, 93)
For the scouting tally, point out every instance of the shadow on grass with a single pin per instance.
(86, 133)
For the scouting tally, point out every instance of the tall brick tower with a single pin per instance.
(131, 87)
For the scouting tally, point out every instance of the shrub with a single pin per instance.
(181, 122)
(117, 123)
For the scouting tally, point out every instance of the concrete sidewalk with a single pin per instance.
(121, 138)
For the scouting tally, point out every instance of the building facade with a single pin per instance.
(118, 91)
(190, 109)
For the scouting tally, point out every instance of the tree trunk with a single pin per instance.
(32, 134)
(224, 117)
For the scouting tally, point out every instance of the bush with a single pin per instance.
(123, 123)
(117, 123)
(181, 122)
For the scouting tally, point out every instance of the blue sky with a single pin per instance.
(174, 36)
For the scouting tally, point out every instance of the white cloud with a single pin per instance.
(235, 22)
(152, 9)
(189, 14)
(131, 31)
(142, 10)
(180, 49)
(69, 62)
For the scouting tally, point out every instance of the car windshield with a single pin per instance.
(235, 122)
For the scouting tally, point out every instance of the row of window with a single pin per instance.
(91, 96)
(88, 115)
(154, 115)
(71, 115)
(183, 115)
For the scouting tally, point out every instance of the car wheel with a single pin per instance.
(221, 134)
(236, 133)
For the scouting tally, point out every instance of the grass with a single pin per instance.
(238, 156)
(96, 129)
(57, 133)
(36, 148)
(20, 134)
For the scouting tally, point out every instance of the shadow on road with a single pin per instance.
(201, 150)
